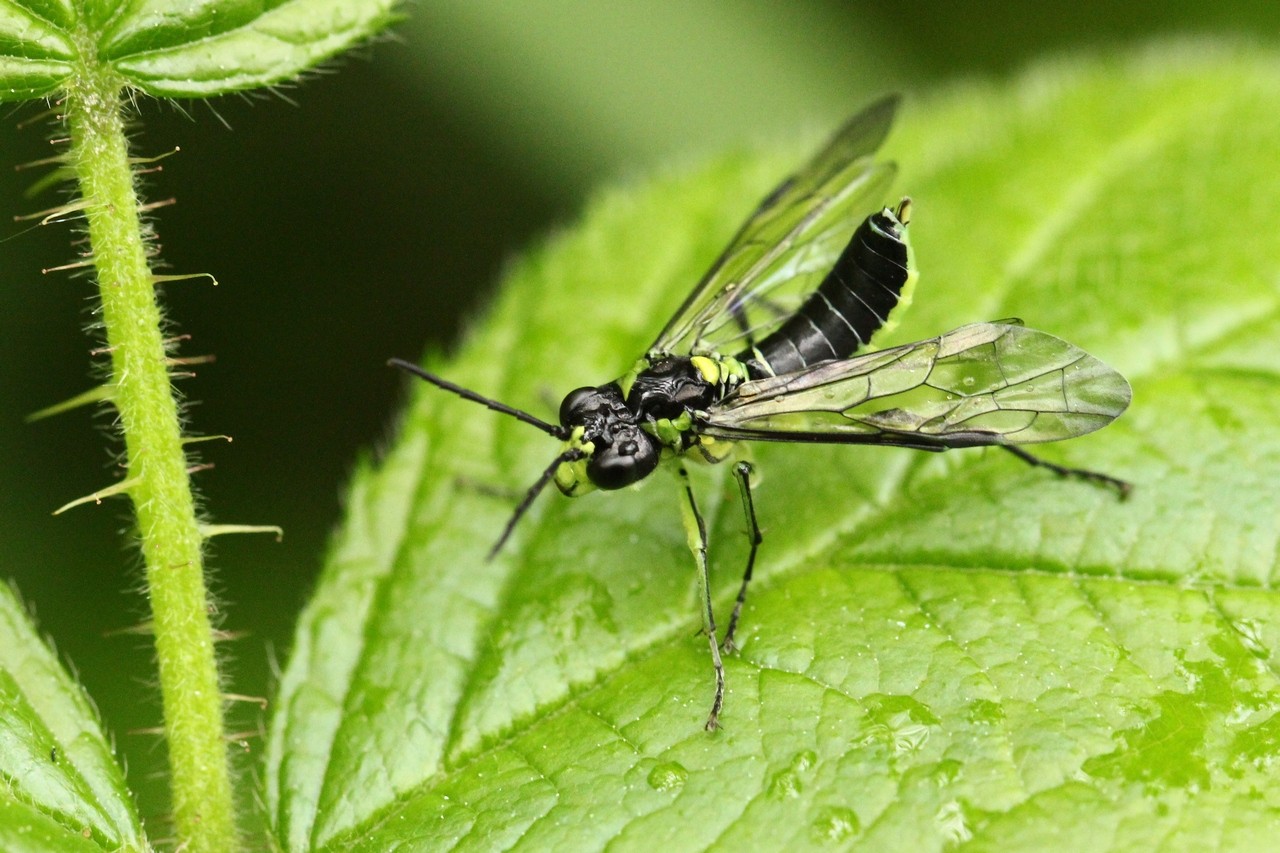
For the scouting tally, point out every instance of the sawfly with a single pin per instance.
(775, 344)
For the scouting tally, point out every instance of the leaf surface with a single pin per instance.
(197, 49)
(63, 789)
(35, 47)
(939, 651)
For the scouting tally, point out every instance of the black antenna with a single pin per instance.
(466, 394)
(571, 455)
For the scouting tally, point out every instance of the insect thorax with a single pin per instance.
(668, 388)
(666, 393)
(619, 431)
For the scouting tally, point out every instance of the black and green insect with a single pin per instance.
(774, 344)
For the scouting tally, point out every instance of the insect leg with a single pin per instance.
(742, 472)
(1121, 486)
(738, 310)
(696, 532)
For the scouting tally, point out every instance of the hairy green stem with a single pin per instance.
(170, 534)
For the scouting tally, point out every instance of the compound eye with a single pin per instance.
(610, 470)
(626, 461)
(575, 402)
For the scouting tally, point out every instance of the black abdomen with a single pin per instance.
(850, 305)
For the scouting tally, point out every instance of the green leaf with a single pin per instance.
(35, 47)
(216, 46)
(939, 650)
(179, 50)
(62, 787)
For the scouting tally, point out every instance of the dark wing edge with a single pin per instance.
(982, 384)
(861, 135)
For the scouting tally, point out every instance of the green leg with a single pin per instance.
(742, 472)
(696, 533)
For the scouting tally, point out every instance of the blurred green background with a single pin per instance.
(368, 212)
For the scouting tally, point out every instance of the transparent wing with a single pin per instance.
(787, 245)
(987, 383)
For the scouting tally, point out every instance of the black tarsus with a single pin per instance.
(571, 455)
(467, 394)
(1123, 487)
(742, 472)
